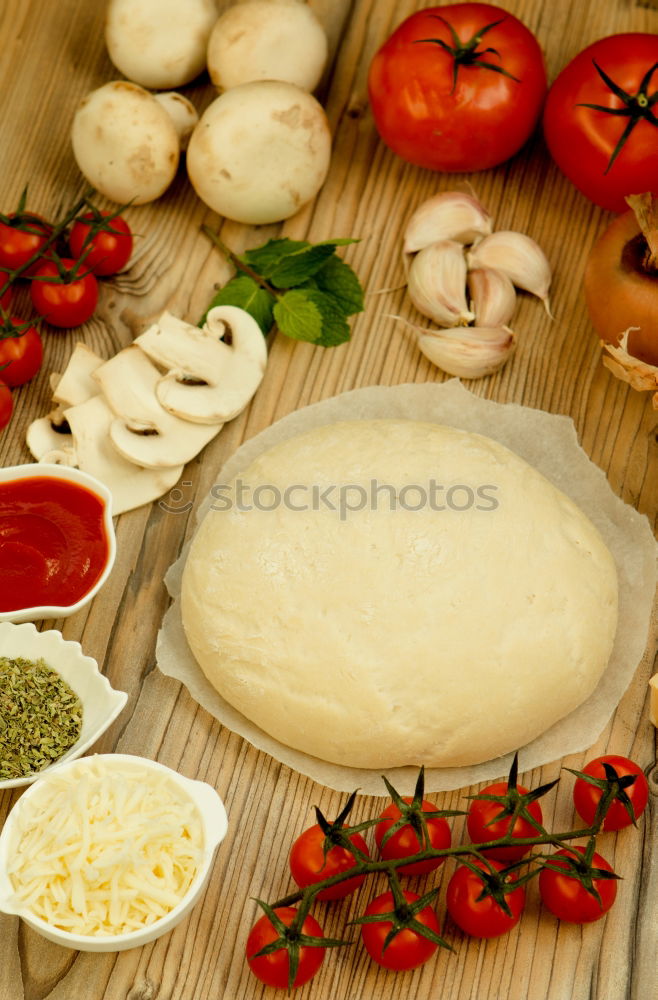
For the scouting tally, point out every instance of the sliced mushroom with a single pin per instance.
(51, 441)
(143, 431)
(130, 485)
(76, 384)
(211, 373)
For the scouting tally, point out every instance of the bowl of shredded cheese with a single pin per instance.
(109, 852)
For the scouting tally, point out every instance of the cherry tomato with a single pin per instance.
(273, 969)
(483, 823)
(64, 303)
(586, 796)
(6, 405)
(482, 917)
(407, 949)
(599, 120)
(5, 298)
(107, 250)
(309, 864)
(457, 87)
(21, 351)
(22, 236)
(565, 896)
(405, 841)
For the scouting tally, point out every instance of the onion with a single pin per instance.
(621, 281)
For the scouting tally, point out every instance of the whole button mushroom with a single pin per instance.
(260, 152)
(125, 143)
(159, 43)
(267, 40)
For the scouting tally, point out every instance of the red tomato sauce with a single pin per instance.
(53, 543)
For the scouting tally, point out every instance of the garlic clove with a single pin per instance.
(469, 352)
(450, 215)
(493, 298)
(519, 257)
(436, 283)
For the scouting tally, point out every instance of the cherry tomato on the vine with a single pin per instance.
(586, 796)
(273, 969)
(67, 301)
(405, 841)
(487, 821)
(309, 864)
(566, 896)
(600, 119)
(408, 948)
(21, 237)
(457, 87)
(482, 917)
(5, 298)
(106, 247)
(21, 351)
(6, 405)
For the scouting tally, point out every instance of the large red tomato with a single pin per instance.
(457, 87)
(600, 119)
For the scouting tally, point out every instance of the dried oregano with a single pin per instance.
(40, 717)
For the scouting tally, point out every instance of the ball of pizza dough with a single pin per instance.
(386, 592)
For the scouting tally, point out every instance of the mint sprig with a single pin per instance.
(306, 289)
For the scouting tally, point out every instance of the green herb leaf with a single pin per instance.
(306, 289)
(335, 328)
(244, 292)
(337, 279)
(297, 316)
(298, 267)
(267, 258)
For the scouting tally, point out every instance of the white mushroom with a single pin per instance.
(260, 152)
(76, 384)
(49, 440)
(211, 373)
(130, 485)
(125, 143)
(267, 40)
(182, 112)
(159, 43)
(142, 430)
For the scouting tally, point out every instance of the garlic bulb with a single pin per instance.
(450, 215)
(519, 257)
(493, 298)
(436, 283)
(469, 352)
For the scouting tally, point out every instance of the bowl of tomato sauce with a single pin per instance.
(57, 541)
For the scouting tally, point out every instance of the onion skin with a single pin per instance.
(619, 293)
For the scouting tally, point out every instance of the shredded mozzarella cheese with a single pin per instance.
(105, 850)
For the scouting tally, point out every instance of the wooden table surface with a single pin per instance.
(53, 53)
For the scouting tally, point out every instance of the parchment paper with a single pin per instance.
(544, 440)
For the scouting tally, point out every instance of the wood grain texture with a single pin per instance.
(51, 55)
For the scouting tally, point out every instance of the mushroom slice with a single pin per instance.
(49, 439)
(211, 373)
(76, 384)
(129, 485)
(143, 431)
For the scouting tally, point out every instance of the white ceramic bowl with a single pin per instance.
(100, 702)
(214, 825)
(41, 469)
